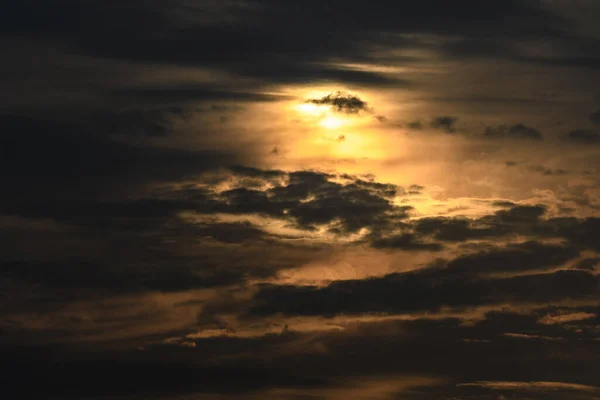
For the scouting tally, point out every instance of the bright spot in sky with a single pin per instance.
(312, 109)
(332, 122)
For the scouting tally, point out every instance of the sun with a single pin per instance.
(323, 115)
(311, 109)
(331, 122)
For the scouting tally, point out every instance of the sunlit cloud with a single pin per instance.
(533, 386)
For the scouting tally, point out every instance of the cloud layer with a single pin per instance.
(242, 199)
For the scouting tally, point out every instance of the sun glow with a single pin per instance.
(311, 109)
(331, 131)
(332, 122)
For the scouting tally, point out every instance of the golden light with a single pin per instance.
(311, 109)
(332, 122)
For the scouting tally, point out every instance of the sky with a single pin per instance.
(316, 200)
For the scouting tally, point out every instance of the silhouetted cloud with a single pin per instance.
(342, 102)
(83, 162)
(515, 219)
(426, 290)
(405, 241)
(444, 123)
(519, 131)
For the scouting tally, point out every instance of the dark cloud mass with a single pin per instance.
(324, 200)
(342, 102)
(519, 131)
(444, 123)
(584, 136)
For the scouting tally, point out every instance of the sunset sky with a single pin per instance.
(300, 200)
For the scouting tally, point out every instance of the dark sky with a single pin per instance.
(316, 200)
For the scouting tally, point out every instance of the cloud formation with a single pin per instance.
(172, 227)
(518, 131)
(342, 102)
(444, 123)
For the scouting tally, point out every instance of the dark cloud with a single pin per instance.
(426, 290)
(584, 136)
(519, 131)
(145, 122)
(523, 131)
(415, 189)
(444, 123)
(305, 199)
(404, 241)
(186, 93)
(342, 102)
(256, 172)
(548, 171)
(312, 199)
(127, 239)
(595, 117)
(460, 283)
(150, 376)
(119, 279)
(351, 207)
(521, 213)
(309, 72)
(515, 219)
(514, 258)
(587, 264)
(580, 232)
(456, 229)
(414, 125)
(123, 252)
(503, 203)
(164, 35)
(46, 159)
